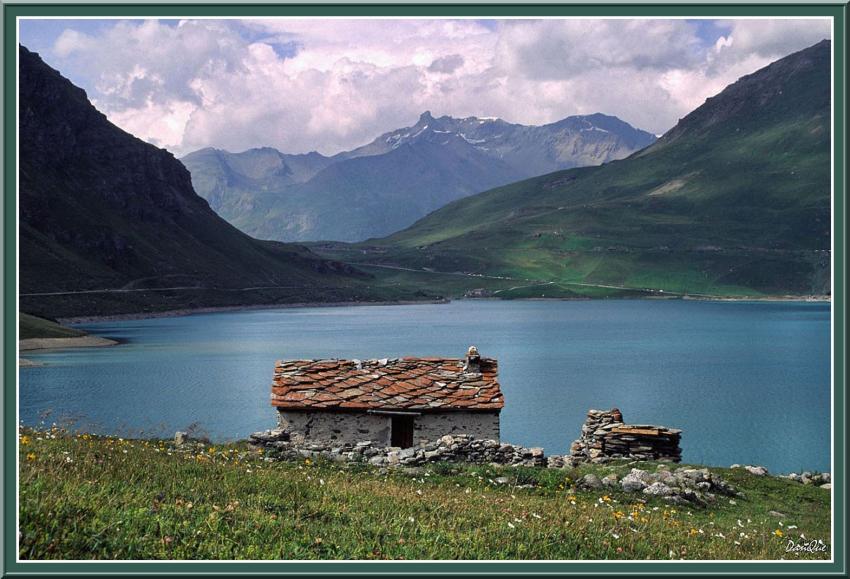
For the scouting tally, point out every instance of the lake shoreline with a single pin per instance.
(33, 344)
(47, 344)
(218, 309)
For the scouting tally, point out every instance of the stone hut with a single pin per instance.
(401, 402)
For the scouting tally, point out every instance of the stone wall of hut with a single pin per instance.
(353, 427)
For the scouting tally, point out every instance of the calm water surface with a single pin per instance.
(748, 382)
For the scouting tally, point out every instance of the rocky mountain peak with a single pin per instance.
(770, 90)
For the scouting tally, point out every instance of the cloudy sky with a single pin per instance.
(333, 84)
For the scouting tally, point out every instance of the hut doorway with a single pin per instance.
(401, 433)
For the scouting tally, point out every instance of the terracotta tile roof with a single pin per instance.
(420, 384)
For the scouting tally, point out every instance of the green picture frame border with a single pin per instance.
(13, 10)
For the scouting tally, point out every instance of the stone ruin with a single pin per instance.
(604, 436)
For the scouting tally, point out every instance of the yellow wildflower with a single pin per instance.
(778, 533)
(30, 456)
(618, 514)
(25, 440)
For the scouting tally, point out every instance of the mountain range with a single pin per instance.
(111, 224)
(401, 176)
(733, 200)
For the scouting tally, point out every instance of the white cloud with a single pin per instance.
(70, 41)
(331, 84)
(771, 38)
(164, 125)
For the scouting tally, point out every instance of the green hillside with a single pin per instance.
(733, 201)
(34, 327)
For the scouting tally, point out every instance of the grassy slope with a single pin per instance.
(733, 201)
(34, 327)
(88, 497)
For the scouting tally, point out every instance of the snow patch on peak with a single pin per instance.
(471, 141)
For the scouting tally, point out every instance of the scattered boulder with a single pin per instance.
(590, 481)
(634, 481)
(807, 478)
(658, 489)
(610, 480)
(683, 486)
(181, 438)
(756, 470)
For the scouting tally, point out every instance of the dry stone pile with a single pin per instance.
(604, 436)
(683, 486)
(449, 448)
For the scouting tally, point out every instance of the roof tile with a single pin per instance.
(431, 383)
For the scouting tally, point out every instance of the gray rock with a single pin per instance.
(756, 470)
(180, 437)
(591, 481)
(633, 482)
(610, 480)
(658, 489)
(502, 480)
(777, 514)
(826, 486)
(406, 453)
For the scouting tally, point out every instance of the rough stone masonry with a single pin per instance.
(604, 436)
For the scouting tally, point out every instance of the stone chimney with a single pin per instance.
(473, 361)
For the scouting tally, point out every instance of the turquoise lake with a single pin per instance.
(748, 382)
